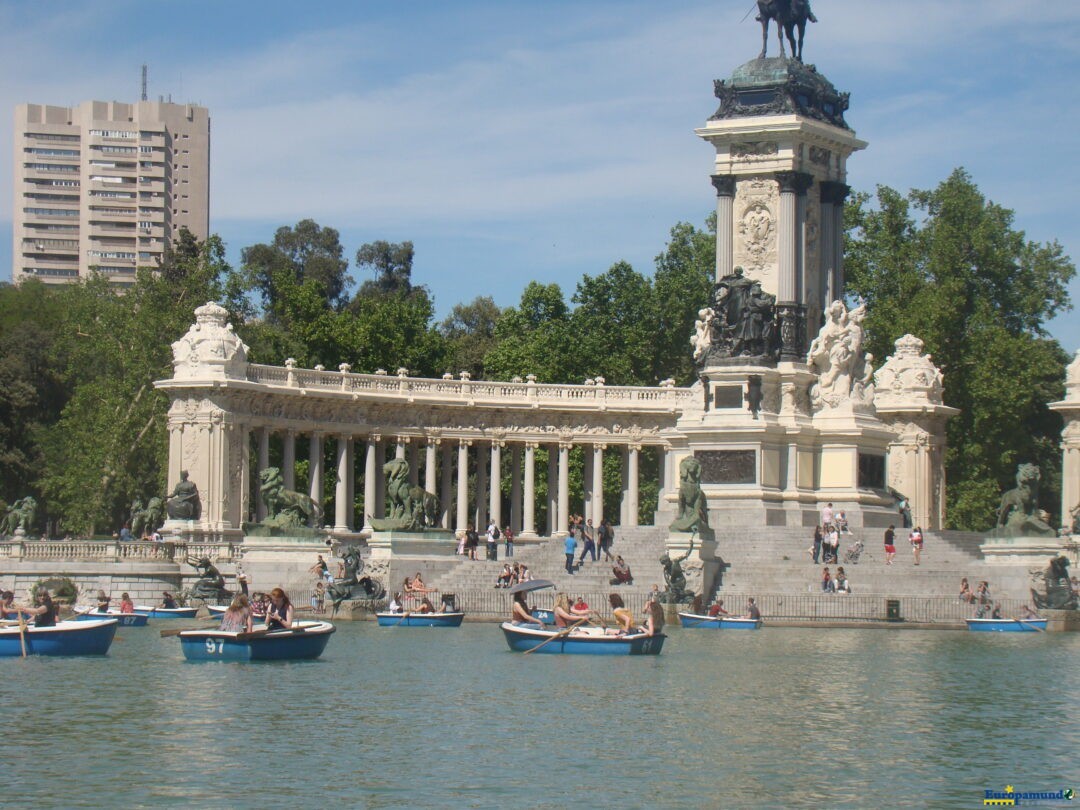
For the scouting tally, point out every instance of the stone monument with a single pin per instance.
(411, 527)
(1022, 532)
(1069, 408)
(20, 518)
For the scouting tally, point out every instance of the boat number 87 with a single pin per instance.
(215, 645)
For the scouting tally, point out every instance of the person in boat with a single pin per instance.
(622, 572)
(103, 600)
(395, 603)
(716, 610)
(581, 604)
(654, 618)
(752, 611)
(258, 606)
(622, 614)
(237, 618)
(7, 606)
(126, 605)
(505, 577)
(425, 606)
(996, 612)
(168, 601)
(279, 615)
(520, 613)
(566, 614)
(1025, 612)
(43, 611)
(406, 587)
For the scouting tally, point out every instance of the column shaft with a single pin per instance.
(598, 484)
(515, 489)
(632, 483)
(725, 225)
(528, 511)
(429, 468)
(495, 502)
(371, 481)
(263, 463)
(563, 524)
(341, 490)
(288, 460)
(462, 485)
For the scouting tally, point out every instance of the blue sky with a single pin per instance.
(544, 139)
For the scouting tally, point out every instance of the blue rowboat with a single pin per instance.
(124, 619)
(695, 620)
(167, 613)
(303, 640)
(420, 619)
(218, 611)
(581, 641)
(66, 638)
(1006, 625)
(544, 615)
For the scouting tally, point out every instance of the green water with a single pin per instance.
(782, 717)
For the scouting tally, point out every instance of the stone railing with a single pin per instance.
(116, 551)
(591, 395)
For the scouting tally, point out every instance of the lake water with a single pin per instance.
(783, 717)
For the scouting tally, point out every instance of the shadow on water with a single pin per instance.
(399, 717)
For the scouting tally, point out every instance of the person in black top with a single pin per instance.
(168, 601)
(44, 611)
(279, 616)
(890, 544)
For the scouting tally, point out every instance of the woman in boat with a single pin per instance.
(237, 618)
(168, 601)
(7, 606)
(565, 614)
(126, 605)
(425, 606)
(621, 613)
(44, 610)
(279, 616)
(395, 603)
(654, 618)
(103, 602)
(519, 611)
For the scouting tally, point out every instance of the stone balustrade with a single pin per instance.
(114, 550)
(450, 391)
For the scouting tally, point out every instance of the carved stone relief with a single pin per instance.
(755, 244)
(751, 151)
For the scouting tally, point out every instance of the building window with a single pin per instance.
(50, 167)
(51, 136)
(114, 133)
(51, 212)
(52, 152)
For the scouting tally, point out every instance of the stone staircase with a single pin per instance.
(640, 547)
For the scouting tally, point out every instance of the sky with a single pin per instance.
(520, 140)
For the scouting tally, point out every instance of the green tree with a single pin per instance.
(469, 331)
(307, 252)
(392, 264)
(683, 284)
(535, 337)
(947, 266)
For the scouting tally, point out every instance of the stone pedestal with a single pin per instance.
(701, 567)
(1062, 621)
(1029, 551)
(417, 545)
(283, 562)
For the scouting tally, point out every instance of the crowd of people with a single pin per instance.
(570, 615)
(512, 574)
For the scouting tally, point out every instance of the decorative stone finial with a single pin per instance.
(402, 371)
(530, 379)
(465, 376)
(345, 368)
(1072, 379)
(516, 379)
(320, 367)
(448, 376)
(210, 349)
(908, 377)
(290, 362)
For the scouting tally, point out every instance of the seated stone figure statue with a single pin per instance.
(1019, 514)
(693, 507)
(1058, 593)
(184, 503)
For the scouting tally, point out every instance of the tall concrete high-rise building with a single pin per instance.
(106, 185)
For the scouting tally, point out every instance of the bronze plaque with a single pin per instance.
(727, 466)
(728, 396)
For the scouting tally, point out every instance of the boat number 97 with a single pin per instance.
(215, 645)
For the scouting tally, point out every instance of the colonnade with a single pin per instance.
(446, 465)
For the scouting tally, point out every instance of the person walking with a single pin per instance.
(590, 546)
(916, 539)
(890, 544)
(569, 546)
(508, 542)
(606, 536)
(472, 540)
(493, 541)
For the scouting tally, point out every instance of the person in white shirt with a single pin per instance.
(492, 541)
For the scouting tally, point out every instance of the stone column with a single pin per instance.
(515, 488)
(399, 448)
(587, 483)
(789, 306)
(553, 490)
(380, 479)
(288, 460)
(661, 474)
(341, 491)
(528, 521)
(176, 454)
(631, 518)
(833, 195)
(414, 465)
(495, 502)
(598, 483)
(563, 522)
(263, 463)
(462, 485)
(725, 224)
(315, 468)
(371, 479)
(351, 488)
(446, 492)
(429, 465)
(244, 500)
(480, 512)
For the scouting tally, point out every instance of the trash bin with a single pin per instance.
(892, 610)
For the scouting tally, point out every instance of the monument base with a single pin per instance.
(1062, 621)
(283, 562)
(401, 544)
(1022, 550)
(701, 566)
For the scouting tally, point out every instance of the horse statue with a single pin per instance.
(352, 585)
(210, 586)
(788, 15)
(1058, 593)
(20, 516)
(286, 509)
(693, 506)
(145, 521)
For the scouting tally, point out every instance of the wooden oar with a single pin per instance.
(178, 630)
(1032, 626)
(22, 634)
(403, 618)
(561, 634)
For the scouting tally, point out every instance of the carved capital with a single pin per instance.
(724, 184)
(794, 182)
(833, 193)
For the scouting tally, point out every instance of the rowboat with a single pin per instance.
(303, 640)
(86, 614)
(91, 637)
(581, 641)
(218, 611)
(167, 613)
(718, 622)
(420, 619)
(1006, 625)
